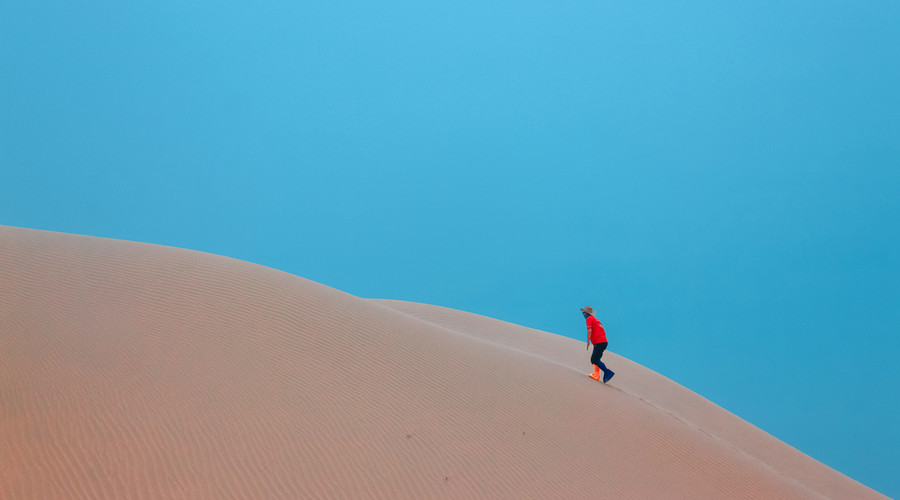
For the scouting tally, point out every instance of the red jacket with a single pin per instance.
(598, 334)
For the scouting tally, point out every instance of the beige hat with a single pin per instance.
(587, 309)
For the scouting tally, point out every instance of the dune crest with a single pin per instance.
(131, 370)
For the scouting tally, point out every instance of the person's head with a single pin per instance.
(587, 311)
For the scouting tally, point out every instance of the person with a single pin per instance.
(596, 335)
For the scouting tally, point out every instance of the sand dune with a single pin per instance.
(130, 370)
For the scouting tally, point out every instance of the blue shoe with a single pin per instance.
(608, 375)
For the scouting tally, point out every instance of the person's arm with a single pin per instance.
(588, 346)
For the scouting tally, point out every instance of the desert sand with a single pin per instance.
(130, 370)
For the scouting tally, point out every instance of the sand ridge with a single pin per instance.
(131, 370)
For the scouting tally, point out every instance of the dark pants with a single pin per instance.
(597, 354)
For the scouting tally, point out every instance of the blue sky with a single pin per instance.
(718, 179)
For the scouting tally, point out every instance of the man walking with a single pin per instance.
(596, 335)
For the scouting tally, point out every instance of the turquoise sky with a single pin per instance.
(720, 180)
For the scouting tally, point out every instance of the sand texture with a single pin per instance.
(132, 371)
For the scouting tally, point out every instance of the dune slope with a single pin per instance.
(130, 370)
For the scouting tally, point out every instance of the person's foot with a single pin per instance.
(608, 375)
(594, 376)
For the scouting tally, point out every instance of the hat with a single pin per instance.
(587, 309)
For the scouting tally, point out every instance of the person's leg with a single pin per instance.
(597, 354)
(607, 373)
